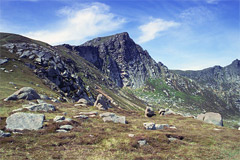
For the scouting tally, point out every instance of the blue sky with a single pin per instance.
(182, 34)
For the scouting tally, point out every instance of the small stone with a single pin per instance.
(88, 113)
(59, 119)
(172, 139)
(62, 130)
(142, 142)
(81, 116)
(131, 135)
(17, 110)
(40, 101)
(66, 127)
(68, 119)
(4, 134)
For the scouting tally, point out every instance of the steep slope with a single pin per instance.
(118, 57)
(131, 68)
(225, 81)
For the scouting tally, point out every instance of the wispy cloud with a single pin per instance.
(79, 24)
(212, 1)
(197, 15)
(152, 29)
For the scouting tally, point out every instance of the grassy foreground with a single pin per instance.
(93, 139)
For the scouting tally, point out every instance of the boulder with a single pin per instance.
(149, 112)
(21, 121)
(211, 117)
(41, 107)
(153, 126)
(101, 103)
(161, 126)
(27, 93)
(149, 126)
(113, 118)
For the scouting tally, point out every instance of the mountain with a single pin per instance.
(70, 80)
(113, 65)
(224, 81)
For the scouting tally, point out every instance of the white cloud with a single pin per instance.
(152, 29)
(79, 24)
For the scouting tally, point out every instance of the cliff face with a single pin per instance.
(225, 81)
(123, 61)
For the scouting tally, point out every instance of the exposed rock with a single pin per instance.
(21, 121)
(27, 93)
(171, 139)
(81, 116)
(161, 126)
(17, 110)
(211, 117)
(113, 118)
(238, 128)
(107, 114)
(153, 126)
(82, 102)
(66, 127)
(44, 97)
(168, 112)
(89, 113)
(149, 112)
(40, 101)
(161, 112)
(142, 142)
(59, 119)
(131, 135)
(41, 107)
(101, 103)
(61, 130)
(4, 134)
(149, 126)
(2, 61)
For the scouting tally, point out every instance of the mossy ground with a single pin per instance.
(93, 139)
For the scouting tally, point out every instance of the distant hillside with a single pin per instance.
(225, 81)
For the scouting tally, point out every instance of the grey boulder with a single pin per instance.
(112, 117)
(211, 117)
(21, 121)
(27, 93)
(41, 107)
(101, 103)
(2, 61)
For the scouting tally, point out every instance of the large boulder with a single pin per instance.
(112, 117)
(101, 103)
(41, 107)
(211, 117)
(149, 112)
(21, 121)
(27, 93)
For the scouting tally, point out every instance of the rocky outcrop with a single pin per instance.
(21, 121)
(121, 59)
(211, 117)
(59, 73)
(27, 93)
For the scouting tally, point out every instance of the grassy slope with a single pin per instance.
(94, 139)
